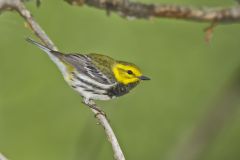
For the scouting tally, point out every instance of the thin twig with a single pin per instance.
(118, 154)
(209, 31)
(35, 27)
(2, 157)
(214, 121)
(126, 8)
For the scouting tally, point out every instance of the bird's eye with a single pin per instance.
(129, 72)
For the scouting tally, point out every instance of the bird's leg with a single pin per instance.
(92, 104)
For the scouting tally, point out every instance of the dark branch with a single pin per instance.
(140, 10)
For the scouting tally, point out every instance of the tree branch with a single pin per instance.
(221, 112)
(2, 157)
(118, 154)
(126, 8)
(39, 32)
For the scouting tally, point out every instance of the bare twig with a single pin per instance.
(209, 32)
(20, 7)
(2, 157)
(118, 154)
(225, 107)
(38, 31)
(140, 10)
(35, 27)
(8, 4)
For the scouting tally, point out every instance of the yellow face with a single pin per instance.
(126, 73)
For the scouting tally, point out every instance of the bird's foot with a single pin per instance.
(93, 105)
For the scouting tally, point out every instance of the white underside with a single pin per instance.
(91, 95)
(86, 94)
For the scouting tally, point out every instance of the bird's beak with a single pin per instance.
(144, 78)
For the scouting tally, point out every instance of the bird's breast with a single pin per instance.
(120, 89)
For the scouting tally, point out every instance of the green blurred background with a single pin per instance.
(42, 118)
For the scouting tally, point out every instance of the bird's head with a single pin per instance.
(127, 73)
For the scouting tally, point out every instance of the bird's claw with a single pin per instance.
(99, 112)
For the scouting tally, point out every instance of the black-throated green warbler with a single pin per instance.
(95, 76)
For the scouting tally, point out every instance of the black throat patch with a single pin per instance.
(120, 89)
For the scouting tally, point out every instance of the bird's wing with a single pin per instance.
(84, 65)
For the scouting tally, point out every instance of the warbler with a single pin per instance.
(95, 76)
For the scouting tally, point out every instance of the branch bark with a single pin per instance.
(2, 157)
(221, 111)
(118, 154)
(39, 32)
(126, 8)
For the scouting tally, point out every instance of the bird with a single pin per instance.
(95, 76)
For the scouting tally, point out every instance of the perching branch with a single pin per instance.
(207, 130)
(38, 31)
(118, 154)
(2, 157)
(126, 8)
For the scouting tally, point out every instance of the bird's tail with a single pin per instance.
(54, 55)
(42, 47)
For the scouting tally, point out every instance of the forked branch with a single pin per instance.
(38, 31)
